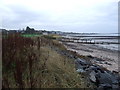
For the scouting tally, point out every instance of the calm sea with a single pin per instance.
(100, 37)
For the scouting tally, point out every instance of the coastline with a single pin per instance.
(56, 66)
(107, 58)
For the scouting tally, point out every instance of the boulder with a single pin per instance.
(81, 64)
(115, 87)
(107, 80)
(96, 68)
(81, 61)
(104, 87)
(92, 76)
(104, 78)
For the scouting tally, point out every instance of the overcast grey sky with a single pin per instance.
(60, 15)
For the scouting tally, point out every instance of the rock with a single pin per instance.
(92, 76)
(80, 71)
(108, 63)
(104, 87)
(97, 60)
(96, 68)
(71, 56)
(118, 78)
(115, 81)
(115, 87)
(82, 62)
(107, 80)
(90, 56)
(101, 62)
(85, 67)
(78, 66)
(115, 72)
(104, 78)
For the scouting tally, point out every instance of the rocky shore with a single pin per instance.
(99, 69)
(102, 78)
(101, 56)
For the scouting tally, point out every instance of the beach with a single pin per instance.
(107, 58)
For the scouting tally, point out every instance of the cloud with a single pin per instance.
(64, 15)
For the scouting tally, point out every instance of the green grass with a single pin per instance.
(31, 35)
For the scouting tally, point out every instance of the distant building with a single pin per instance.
(45, 33)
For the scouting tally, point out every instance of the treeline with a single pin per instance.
(28, 30)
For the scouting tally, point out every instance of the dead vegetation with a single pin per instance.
(34, 63)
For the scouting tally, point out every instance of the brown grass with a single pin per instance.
(33, 62)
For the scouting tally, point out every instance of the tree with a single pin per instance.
(29, 30)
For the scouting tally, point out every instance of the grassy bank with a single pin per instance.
(37, 62)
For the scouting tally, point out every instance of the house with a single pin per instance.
(45, 33)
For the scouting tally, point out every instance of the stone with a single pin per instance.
(96, 68)
(104, 87)
(78, 66)
(115, 72)
(90, 56)
(97, 59)
(82, 62)
(108, 63)
(92, 76)
(71, 56)
(115, 87)
(80, 71)
(102, 78)
(106, 78)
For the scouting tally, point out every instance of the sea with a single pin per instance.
(109, 40)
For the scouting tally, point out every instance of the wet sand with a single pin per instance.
(109, 57)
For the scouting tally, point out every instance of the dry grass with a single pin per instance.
(61, 72)
(37, 64)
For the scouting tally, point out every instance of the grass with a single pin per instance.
(30, 35)
(34, 63)
(56, 36)
(52, 36)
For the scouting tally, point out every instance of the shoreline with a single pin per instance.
(107, 58)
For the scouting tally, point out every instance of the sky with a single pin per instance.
(100, 16)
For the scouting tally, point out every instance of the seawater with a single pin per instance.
(108, 46)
